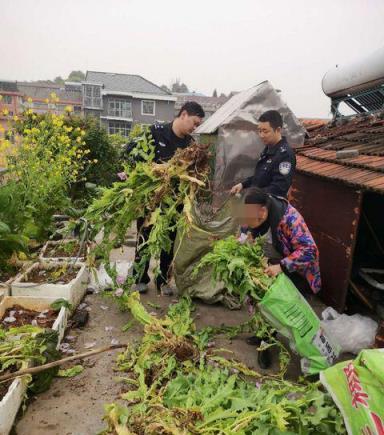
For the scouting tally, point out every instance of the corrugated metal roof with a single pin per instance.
(124, 83)
(228, 109)
(363, 134)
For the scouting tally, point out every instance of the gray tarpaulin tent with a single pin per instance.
(236, 147)
(232, 131)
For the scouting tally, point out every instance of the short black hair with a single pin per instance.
(273, 117)
(256, 195)
(193, 109)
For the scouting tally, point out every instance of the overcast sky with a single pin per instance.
(228, 45)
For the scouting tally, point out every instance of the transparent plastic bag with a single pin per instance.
(100, 280)
(352, 333)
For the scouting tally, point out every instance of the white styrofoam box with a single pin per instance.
(4, 290)
(73, 291)
(11, 402)
(43, 258)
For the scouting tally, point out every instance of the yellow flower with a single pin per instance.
(69, 109)
(29, 99)
(34, 117)
(82, 132)
(5, 112)
(95, 160)
(15, 118)
(46, 101)
(53, 96)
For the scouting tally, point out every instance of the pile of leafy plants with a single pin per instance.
(162, 193)
(27, 345)
(177, 384)
(240, 266)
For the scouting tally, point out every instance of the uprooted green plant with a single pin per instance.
(240, 266)
(160, 193)
(175, 386)
(24, 345)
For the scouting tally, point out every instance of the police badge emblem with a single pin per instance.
(285, 168)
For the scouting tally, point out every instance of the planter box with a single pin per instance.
(43, 258)
(11, 402)
(4, 290)
(73, 291)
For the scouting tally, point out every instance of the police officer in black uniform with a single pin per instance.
(276, 165)
(167, 139)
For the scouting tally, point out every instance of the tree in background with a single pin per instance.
(76, 76)
(179, 87)
(214, 93)
(165, 88)
(58, 80)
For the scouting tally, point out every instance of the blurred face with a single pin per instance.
(267, 134)
(188, 123)
(254, 215)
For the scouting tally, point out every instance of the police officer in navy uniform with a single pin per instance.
(277, 162)
(273, 174)
(167, 139)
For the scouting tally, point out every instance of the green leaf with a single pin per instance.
(71, 372)
(59, 303)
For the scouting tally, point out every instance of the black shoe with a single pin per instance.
(264, 359)
(253, 341)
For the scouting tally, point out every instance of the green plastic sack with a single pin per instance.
(289, 313)
(357, 388)
(191, 246)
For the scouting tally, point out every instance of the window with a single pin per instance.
(120, 108)
(7, 99)
(92, 96)
(119, 127)
(147, 107)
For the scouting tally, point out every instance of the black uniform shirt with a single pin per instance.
(166, 142)
(274, 169)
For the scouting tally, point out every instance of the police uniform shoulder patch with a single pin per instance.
(285, 168)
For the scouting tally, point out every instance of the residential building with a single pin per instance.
(121, 100)
(10, 102)
(18, 96)
(40, 93)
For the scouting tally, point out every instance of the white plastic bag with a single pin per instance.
(100, 280)
(352, 333)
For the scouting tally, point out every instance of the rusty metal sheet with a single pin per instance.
(332, 212)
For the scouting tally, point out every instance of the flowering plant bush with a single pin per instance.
(47, 156)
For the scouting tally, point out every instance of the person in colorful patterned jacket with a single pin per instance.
(288, 245)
